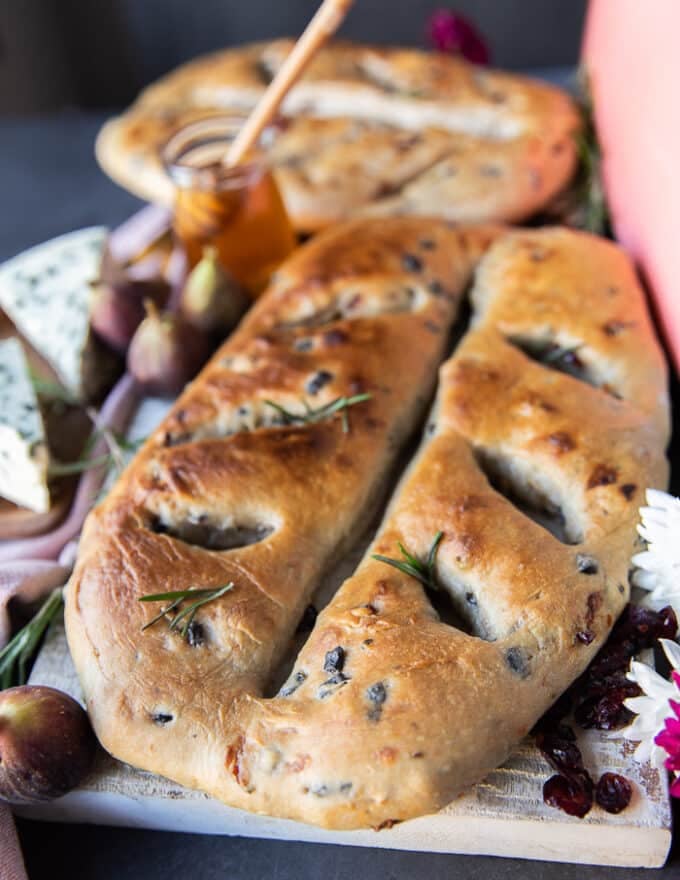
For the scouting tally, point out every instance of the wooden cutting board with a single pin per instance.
(504, 815)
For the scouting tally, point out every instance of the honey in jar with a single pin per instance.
(238, 210)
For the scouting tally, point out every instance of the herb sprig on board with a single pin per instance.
(16, 656)
(178, 618)
(409, 564)
(591, 206)
(116, 444)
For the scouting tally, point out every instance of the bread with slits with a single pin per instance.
(534, 476)
(368, 129)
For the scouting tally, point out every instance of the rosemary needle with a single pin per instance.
(176, 597)
(321, 413)
(414, 567)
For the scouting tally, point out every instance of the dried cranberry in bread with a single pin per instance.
(388, 130)
(532, 466)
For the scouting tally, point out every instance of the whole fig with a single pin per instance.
(166, 352)
(212, 299)
(47, 744)
(117, 308)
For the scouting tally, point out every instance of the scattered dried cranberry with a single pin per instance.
(600, 692)
(597, 699)
(643, 626)
(568, 795)
(560, 749)
(606, 712)
(613, 792)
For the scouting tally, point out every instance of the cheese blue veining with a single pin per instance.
(46, 292)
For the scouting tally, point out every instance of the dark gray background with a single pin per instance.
(99, 53)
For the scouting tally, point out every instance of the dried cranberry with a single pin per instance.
(643, 626)
(611, 658)
(569, 795)
(613, 792)
(605, 712)
(560, 749)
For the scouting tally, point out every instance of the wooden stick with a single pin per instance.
(326, 21)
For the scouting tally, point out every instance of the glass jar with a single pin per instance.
(238, 210)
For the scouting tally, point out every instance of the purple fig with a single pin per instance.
(47, 744)
(117, 308)
(166, 352)
(212, 299)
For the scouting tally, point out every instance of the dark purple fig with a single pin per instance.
(117, 308)
(212, 299)
(166, 352)
(47, 745)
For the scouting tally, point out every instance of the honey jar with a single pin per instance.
(238, 210)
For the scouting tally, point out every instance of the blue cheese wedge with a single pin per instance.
(46, 292)
(24, 454)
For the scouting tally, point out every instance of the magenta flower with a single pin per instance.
(450, 32)
(669, 737)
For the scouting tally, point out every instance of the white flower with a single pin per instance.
(659, 565)
(652, 708)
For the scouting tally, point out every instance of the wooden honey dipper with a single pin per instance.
(323, 25)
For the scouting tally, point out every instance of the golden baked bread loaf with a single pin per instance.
(393, 131)
(532, 476)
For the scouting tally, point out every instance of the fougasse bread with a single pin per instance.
(368, 129)
(550, 420)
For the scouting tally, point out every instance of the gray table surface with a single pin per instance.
(50, 184)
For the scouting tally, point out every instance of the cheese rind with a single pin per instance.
(24, 454)
(46, 292)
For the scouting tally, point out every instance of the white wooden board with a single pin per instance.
(504, 815)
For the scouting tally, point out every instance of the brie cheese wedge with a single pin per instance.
(46, 292)
(24, 453)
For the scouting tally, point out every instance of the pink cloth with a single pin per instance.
(11, 861)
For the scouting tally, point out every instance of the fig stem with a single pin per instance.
(151, 309)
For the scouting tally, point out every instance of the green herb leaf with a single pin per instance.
(66, 468)
(321, 413)
(591, 211)
(18, 652)
(52, 391)
(414, 567)
(184, 616)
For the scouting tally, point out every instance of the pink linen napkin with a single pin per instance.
(11, 861)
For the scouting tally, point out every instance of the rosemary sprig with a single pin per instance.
(67, 468)
(319, 414)
(184, 617)
(414, 567)
(85, 463)
(17, 653)
(116, 443)
(53, 391)
(592, 210)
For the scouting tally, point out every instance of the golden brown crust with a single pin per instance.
(414, 709)
(390, 130)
